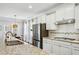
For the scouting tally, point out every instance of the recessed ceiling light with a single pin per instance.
(30, 6)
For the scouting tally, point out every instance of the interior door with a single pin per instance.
(25, 32)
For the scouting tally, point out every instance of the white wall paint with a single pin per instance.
(2, 34)
(2, 31)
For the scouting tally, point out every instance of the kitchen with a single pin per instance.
(51, 31)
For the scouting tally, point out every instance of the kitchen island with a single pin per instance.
(24, 49)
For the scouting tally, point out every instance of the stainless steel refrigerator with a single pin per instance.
(39, 31)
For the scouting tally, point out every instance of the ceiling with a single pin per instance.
(22, 11)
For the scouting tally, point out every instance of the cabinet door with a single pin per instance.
(44, 44)
(77, 17)
(56, 50)
(43, 19)
(75, 52)
(65, 12)
(65, 48)
(75, 49)
(65, 51)
(49, 48)
(50, 22)
(69, 12)
(47, 45)
(60, 14)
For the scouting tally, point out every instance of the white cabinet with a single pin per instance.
(61, 48)
(43, 19)
(65, 48)
(77, 17)
(56, 49)
(65, 12)
(50, 22)
(75, 49)
(35, 20)
(60, 14)
(75, 52)
(47, 45)
(69, 11)
(65, 51)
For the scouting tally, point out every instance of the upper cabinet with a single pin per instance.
(50, 21)
(39, 19)
(77, 17)
(42, 20)
(59, 14)
(65, 12)
(35, 20)
(69, 11)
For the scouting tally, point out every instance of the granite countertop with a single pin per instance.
(64, 39)
(70, 41)
(24, 49)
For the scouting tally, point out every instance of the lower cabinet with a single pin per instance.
(47, 46)
(65, 48)
(54, 47)
(61, 50)
(75, 49)
(56, 50)
(75, 52)
(65, 51)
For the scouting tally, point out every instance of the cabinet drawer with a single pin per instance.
(55, 42)
(75, 46)
(65, 44)
(65, 51)
(75, 52)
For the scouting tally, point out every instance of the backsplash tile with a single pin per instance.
(67, 30)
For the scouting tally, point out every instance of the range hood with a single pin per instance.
(67, 21)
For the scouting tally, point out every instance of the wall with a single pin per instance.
(20, 28)
(3, 30)
(28, 31)
(66, 30)
(1, 34)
